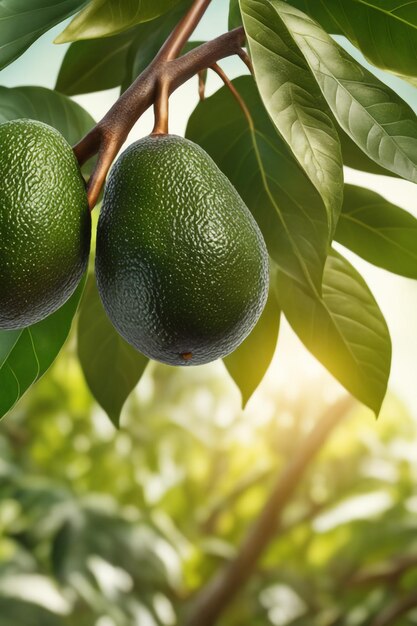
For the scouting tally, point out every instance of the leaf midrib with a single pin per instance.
(388, 13)
(378, 233)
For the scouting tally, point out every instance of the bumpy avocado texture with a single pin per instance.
(45, 224)
(182, 268)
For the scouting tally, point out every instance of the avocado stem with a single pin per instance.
(201, 86)
(158, 81)
(161, 108)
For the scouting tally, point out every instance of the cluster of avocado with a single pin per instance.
(181, 265)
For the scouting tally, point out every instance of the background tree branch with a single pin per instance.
(213, 599)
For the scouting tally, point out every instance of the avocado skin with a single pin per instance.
(45, 224)
(181, 265)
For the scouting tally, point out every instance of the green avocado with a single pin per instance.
(45, 224)
(181, 265)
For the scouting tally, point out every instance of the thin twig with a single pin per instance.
(216, 68)
(246, 60)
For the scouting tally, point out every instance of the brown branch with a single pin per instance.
(181, 34)
(220, 591)
(399, 607)
(157, 82)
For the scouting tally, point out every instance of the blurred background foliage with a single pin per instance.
(125, 527)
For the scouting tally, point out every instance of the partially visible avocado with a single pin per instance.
(182, 268)
(45, 224)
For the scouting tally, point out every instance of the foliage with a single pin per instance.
(96, 523)
(111, 366)
(309, 110)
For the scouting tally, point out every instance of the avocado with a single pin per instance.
(45, 224)
(181, 265)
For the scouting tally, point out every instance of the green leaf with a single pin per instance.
(33, 350)
(355, 158)
(248, 364)
(50, 107)
(98, 64)
(235, 16)
(379, 122)
(378, 231)
(23, 22)
(94, 65)
(148, 39)
(318, 10)
(112, 368)
(8, 339)
(385, 32)
(285, 204)
(45, 105)
(344, 329)
(294, 101)
(102, 18)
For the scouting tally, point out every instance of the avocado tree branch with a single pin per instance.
(157, 82)
(214, 598)
(182, 32)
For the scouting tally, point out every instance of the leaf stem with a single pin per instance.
(216, 68)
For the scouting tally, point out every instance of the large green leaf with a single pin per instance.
(344, 329)
(148, 39)
(378, 231)
(102, 18)
(285, 204)
(319, 10)
(381, 124)
(33, 351)
(45, 105)
(385, 31)
(294, 101)
(94, 65)
(8, 339)
(249, 362)
(112, 368)
(23, 22)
